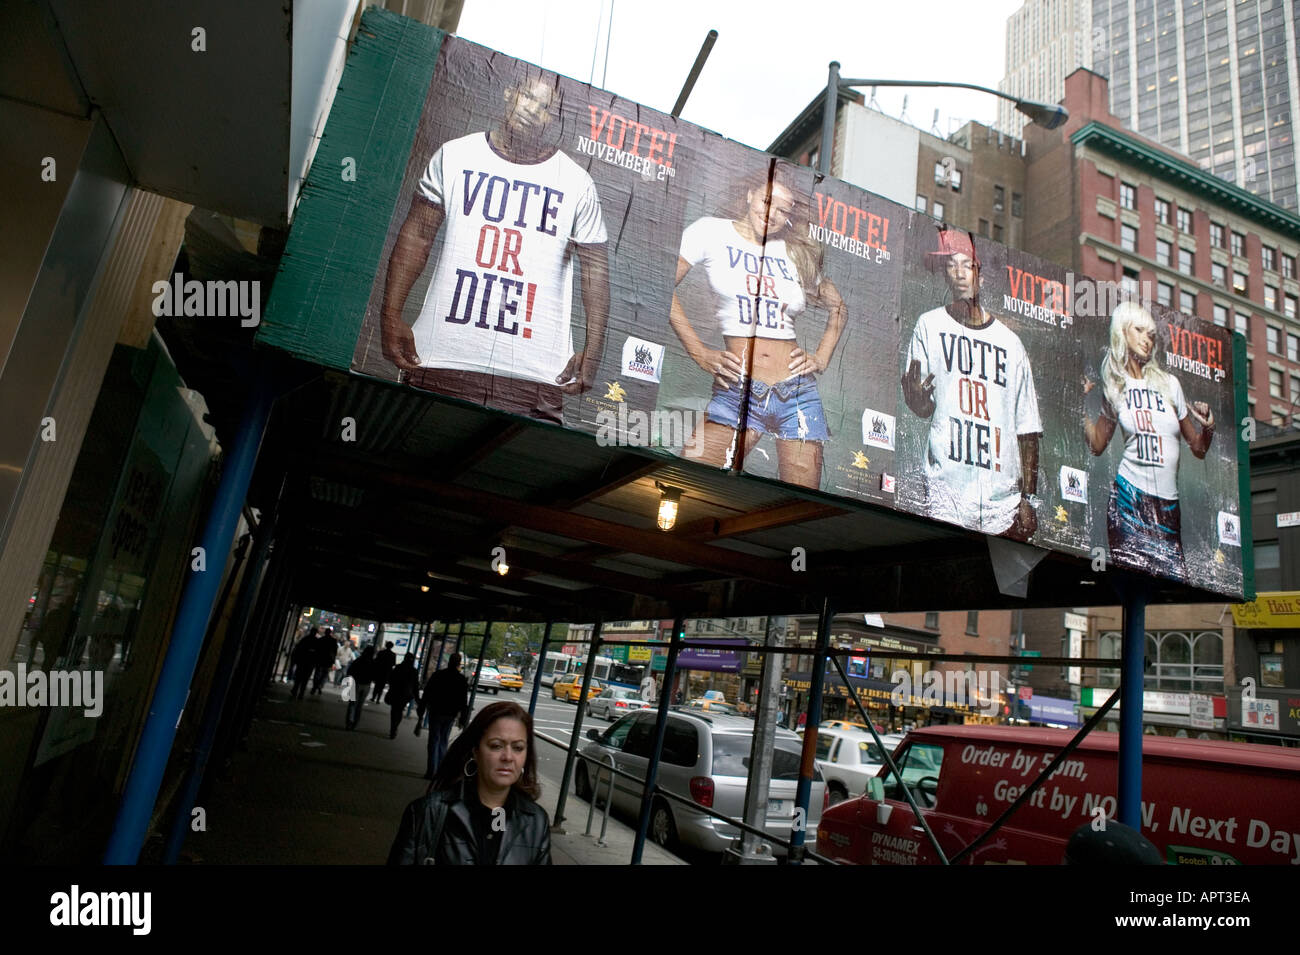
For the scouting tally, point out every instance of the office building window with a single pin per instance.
(1238, 243)
(940, 174)
(999, 198)
(1250, 375)
(922, 202)
(1289, 306)
(1216, 235)
(1128, 196)
(1128, 283)
(1288, 266)
(997, 232)
(1187, 302)
(938, 210)
(1243, 324)
(1268, 258)
(1162, 211)
(1239, 284)
(1128, 238)
(1273, 336)
(1221, 315)
(932, 620)
(1218, 275)
(1275, 383)
(973, 622)
(1017, 204)
(1295, 388)
(954, 183)
(1292, 347)
(1184, 219)
(1164, 293)
(984, 228)
(1164, 252)
(1270, 298)
(1186, 262)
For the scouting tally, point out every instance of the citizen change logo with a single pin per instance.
(1229, 529)
(642, 360)
(878, 429)
(1074, 485)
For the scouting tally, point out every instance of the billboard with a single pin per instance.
(560, 253)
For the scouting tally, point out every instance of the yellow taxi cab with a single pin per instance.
(569, 687)
(510, 678)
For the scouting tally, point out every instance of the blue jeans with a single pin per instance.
(790, 410)
(354, 706)
(439, 734)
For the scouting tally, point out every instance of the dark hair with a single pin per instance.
(451, 771)
(453, 661)
(805, 253)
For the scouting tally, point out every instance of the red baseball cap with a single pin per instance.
(954, 241)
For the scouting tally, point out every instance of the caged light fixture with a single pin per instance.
(668, 498)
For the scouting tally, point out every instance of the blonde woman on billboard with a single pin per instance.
(763, 271)
(1142, 520)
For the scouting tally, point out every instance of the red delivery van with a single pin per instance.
(1203, 802)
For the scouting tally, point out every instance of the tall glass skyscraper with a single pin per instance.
(1213, 79)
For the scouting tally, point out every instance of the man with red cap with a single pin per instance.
(968, 373)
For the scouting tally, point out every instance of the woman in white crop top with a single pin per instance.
(1143, 519)
(764, 271)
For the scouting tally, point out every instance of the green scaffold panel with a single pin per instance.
(319, 298)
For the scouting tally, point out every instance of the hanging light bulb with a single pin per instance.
(668, 498)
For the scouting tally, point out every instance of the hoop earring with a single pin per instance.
(470, 773)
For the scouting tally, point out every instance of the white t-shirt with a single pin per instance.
(502, 289)
(758, 287)
(984, 399)
(1150, 421)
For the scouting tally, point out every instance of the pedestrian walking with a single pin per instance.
(403, 687)
(445, 699)
(362, 671)
(481, 808)
(385, 660)
(326, 648)
(304, 661)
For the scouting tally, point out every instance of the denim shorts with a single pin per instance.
(790, 409)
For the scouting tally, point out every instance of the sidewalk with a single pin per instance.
(309, 792)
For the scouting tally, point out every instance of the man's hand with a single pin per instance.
(802, 363)
(918, 394)
(578, 375)
(726, 367)
(399, 345)
(1026, 522)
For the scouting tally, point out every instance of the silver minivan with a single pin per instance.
(705, 759)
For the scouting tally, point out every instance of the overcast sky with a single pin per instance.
(770, 59)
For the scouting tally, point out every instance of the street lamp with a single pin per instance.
(1047, 115)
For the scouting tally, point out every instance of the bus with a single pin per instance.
(556, 664)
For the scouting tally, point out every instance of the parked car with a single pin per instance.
(569, 687)
(1203, 802)
(510, 678)
(705, 759)
(615, 701)
(848, 757)
(489, 679)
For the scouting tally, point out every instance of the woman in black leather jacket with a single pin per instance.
(480, 809)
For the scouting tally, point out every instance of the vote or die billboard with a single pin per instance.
(560, 253)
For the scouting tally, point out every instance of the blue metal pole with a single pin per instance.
(661, 729)
(1130, 700)
(132, 824)
(803, 791)
(537, 670)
